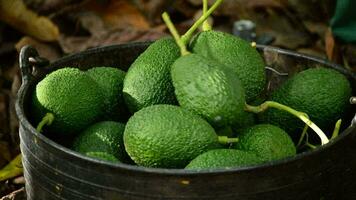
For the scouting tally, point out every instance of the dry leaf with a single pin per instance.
(5, 151)
(44, 50)
(16, 14)
(153, 9)
(288, 32)
(120, 14)
(13, 119)
(13, 169)
(3, 114)
(329, 44)
(349, 51)
(264, 3)
(16, 195)
(77, 44)
(92, 22)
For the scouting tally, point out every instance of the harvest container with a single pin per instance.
(53, 171)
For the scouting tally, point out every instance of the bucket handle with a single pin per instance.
(29, 59)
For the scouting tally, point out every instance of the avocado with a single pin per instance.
(235, 53)
(225, 131)
(110, 81)
(267, 141)
(321, 93)
(71, 96)
(208, 89)
(148, 79)
(223, 159)
(167, 136)
(105, 136)
(247, 120)
(102, 156)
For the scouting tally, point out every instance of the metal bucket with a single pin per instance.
(53, 171)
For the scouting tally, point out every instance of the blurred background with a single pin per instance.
(323, 28)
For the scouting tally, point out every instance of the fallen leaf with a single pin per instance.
(5, 151)
(4, 155)
(48, 5)
(44, 49)
(318, 28)
(119, 14)
(3, 114)
(16, 195)
(329, 44)
(16, 14)
(289, 33)
(315, 10)
(349, 52)
(77, 44)
(13, 169)
(92, 22)
(14, 121)
(19, 180)
(264, 3)
(196, 2)
(153, 9)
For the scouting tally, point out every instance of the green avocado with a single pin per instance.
(208, 89)
(223, 159)
(71, 96)
(267, 141)
(105, 136)
(167, 136)
(321, 93)
(111, 81)
(102, 156)
(236, 54)
(148, 79)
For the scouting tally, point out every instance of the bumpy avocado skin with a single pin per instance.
(167, 136)
(236, 54)
(208, 89)
(321, 93)
(72, 96)
(148, 79)
(223, 159)
(105, 136)
(111, 81)
(267, 141)
(102, 156)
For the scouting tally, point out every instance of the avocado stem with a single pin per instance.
(253, 45)
(175, 34)
(206, 25)
(46, 120)
(336, 129)
(188, 35)
(226, 140)
(303, 135)
(310, 145)
(302, 116)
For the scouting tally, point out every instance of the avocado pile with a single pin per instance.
(186, 110)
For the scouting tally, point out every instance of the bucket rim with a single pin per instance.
(19, 107)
